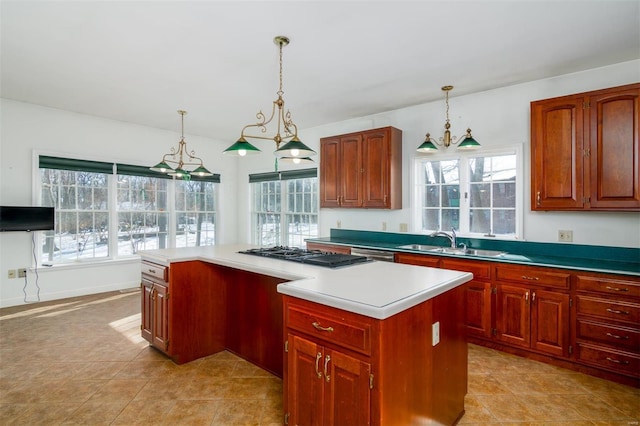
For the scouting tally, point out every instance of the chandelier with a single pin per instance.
(293, 150)
(429, 144)
(181, 158)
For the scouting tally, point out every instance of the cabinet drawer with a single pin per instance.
(619, 287)
(621, 337)
(607, 308)
(153, 270)
(623, 362)
(533, 276)
(479, 270)
(346, 333)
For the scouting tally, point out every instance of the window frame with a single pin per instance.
(64, 162)
(464, 211)
(282, 180)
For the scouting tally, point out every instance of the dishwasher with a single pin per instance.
(383, 256)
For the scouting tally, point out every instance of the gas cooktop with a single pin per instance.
(313, 257)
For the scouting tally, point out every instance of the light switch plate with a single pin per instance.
(435, 333)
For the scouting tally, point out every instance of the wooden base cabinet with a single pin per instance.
(608, 323)
(332, 387)
(155, 306)
(346, 369)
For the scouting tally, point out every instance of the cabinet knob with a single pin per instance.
(526, 296)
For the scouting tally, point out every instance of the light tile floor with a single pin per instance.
(81, 361)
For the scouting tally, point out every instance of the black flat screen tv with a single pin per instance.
(14, 218)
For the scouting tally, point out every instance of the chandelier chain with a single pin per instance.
(280, 92)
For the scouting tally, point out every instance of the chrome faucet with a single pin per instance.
(451, 237)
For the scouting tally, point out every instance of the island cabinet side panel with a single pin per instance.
(254, 318)
(421, 383)
(197, 305)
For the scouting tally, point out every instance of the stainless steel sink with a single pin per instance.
(450, 250)
(418, 247)
(467, 252)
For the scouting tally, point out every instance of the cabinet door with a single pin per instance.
(513, 315)
(160, 317)
(376, 175)
(550, 322)
(556, 153)
(147, 310)
(330, 173)
(347, 397)
(478, 308)
(305, 382)
(351, 171)
(614, 149)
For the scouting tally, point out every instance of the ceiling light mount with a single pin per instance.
(181, 158)
(285, 131)
(466, 143)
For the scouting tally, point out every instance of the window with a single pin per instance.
(196, 213)
(106, 210)
(475, 194)
(284, 207)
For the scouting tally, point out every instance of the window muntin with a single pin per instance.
(195, 213)
(475, 194)
(81, 216)
(284, 208)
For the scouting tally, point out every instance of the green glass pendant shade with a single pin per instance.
(161, 167)
(427, 147)
(241, 148)
(295, 149)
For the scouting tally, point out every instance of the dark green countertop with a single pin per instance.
(606, 259)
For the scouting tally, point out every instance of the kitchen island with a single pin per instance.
(374, 343)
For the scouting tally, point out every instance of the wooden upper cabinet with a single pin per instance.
(614, 148)
(362, 170)
(585, 151)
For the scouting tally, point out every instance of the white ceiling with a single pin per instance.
(140, 61)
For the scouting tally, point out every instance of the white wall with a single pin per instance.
(497, 117)
(28, 130)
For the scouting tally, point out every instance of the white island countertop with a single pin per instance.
(375, 289)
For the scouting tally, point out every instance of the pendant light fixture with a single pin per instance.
(293, 150)
(181, 158)
(429, 144)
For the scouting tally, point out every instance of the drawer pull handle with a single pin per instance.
(538, 198)
(151, 270)
(616, 288)
(524, 277)
(526, 296)
(615, 311)
(317, 326)
(318, 357)
(615, 336)
(617, 361)
(326, 374)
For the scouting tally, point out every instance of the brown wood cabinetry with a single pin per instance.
(533, 316)
(585, 151)
(195, 309)
(608, 322)
(155, 306)
(344, 368)
(362, 170)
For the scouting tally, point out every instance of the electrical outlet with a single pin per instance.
(566, 236)
(22, 272)
(384, 226)
(11, 274)
(404, 227)
(339, 224)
